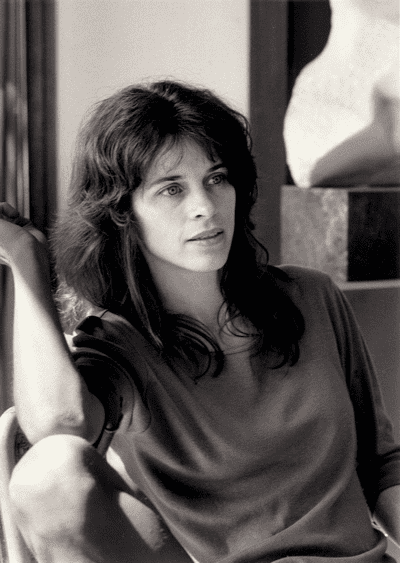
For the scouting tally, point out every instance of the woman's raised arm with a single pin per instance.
(49, 394)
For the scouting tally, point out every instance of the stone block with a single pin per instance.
(353, 234)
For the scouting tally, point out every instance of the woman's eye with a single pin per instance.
(172, 190)
(217, 179)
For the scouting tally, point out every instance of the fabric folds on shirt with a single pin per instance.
(258, 464)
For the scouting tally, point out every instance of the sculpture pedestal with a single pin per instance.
(352, 234)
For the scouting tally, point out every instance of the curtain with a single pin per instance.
(27, 137)
(14, 159)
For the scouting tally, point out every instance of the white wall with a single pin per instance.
(103, 45)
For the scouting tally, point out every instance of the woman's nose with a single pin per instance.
(201, 203)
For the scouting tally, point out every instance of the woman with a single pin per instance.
(250, 424)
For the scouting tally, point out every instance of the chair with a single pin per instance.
(13, 445)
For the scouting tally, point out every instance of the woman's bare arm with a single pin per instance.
(387, 512)
(49, 394)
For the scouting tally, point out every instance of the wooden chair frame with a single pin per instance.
(13, 445)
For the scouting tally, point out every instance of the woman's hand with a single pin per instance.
(15, 233)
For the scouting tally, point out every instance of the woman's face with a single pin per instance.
(186, 211)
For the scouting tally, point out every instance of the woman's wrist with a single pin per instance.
(28, 256)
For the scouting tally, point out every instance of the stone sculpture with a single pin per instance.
(342, 126)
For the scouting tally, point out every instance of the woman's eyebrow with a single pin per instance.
(175, 177)
(165, 179)
(217, 166)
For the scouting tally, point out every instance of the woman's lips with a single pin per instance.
(207, 235)
(213, 239)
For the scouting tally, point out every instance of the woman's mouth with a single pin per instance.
(209, 237)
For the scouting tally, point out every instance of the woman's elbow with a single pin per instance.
(86, 423)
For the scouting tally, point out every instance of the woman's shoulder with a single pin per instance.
(106, 349)
(302, 276)
(105, 325)
(303, 284)
(106, 334)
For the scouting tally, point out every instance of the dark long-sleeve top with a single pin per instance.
(257, 464)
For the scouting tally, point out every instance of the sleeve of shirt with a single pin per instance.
(378, 455)
(103, 355)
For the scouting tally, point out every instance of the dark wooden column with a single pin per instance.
(284, 36)
(268, 95)
(41, 77)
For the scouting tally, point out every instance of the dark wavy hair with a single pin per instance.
(96, 240)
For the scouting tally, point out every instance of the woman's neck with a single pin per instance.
(196, 294)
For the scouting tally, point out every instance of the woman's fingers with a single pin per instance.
(30, 227)
(8, 211)
(23, 221)
(9, 214)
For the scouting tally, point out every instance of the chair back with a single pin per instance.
(13, 444)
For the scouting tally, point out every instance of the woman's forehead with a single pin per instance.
(172, 154)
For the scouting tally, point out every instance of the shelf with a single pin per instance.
(374, 284)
